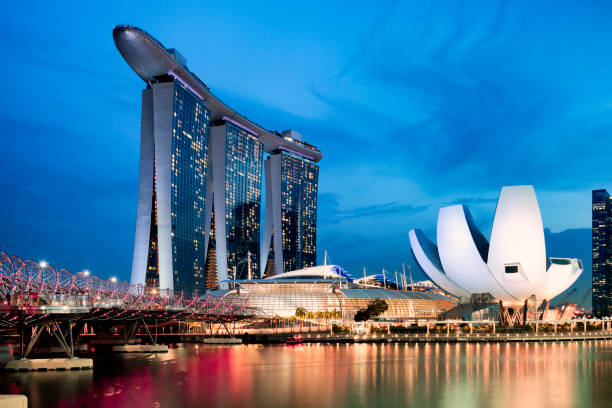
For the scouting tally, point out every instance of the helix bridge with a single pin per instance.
(35, 297)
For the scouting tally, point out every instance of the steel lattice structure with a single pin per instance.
(26, 284)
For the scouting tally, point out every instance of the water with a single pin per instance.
(513, 375)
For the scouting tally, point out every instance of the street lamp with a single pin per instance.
(43, 264)
(113, 279)
(85, 272)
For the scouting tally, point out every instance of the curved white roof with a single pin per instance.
(512, 267)
(322, 271)
(366, 278)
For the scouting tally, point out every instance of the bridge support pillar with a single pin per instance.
(129, 332)
(154, 341)
(61, 338)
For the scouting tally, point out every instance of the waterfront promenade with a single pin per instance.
(458, 338)
(434, 332)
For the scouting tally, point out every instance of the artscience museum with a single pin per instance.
(512, 266)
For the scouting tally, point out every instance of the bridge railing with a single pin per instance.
(26, 283)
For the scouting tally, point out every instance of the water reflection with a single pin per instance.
(426, 375)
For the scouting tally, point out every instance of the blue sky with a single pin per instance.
(414, 104)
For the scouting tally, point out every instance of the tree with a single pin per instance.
(300, 312)
(362, 315)
(378, 307)
(374, 309)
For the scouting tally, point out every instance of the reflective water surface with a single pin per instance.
(454, 375)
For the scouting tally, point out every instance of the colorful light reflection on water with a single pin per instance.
(428, 375)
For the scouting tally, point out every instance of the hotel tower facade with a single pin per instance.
(290, 231)
(201, 180)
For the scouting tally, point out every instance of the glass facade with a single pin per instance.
(152, 273)
(188, 190)
(212, 281)
(243, 181)
(299, 184)
(602, 253)
(274, 298)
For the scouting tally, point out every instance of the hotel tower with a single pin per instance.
(201, 180)
(290, 230)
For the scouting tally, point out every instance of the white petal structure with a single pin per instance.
(561, 274)
(426, 254)
(511, 268)
(463, 252)
(517, 243)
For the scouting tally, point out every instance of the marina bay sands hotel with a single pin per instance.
(202, 169)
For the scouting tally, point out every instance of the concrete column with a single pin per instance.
(145, 190)
(493, 327)
(272, 221)
(163, 108)
(216, 153)
(471, 328)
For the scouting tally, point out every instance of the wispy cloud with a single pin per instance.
(330, 212)
(368, 40)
